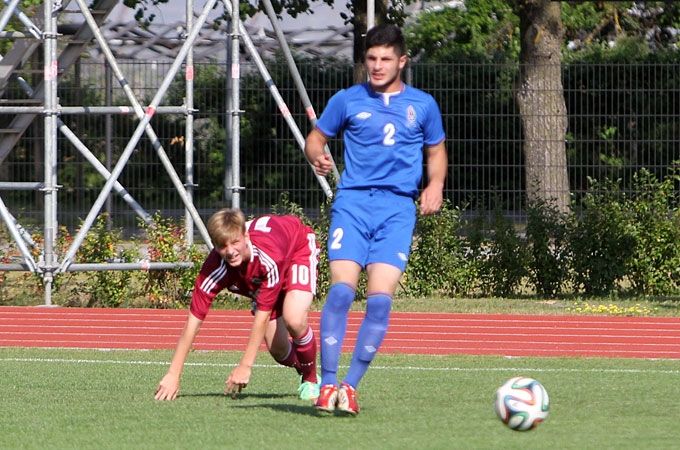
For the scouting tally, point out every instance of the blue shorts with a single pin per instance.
(371, 226)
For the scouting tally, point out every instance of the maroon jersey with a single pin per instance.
(283, 258)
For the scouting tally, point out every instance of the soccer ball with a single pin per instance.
(522, 403)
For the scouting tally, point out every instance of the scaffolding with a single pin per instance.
(42, 100)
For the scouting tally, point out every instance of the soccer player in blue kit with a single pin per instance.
(386, 127)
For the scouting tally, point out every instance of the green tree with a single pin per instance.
(531, 31)
(540, 98)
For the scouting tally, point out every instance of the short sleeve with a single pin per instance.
(433, 132)
(332, 118)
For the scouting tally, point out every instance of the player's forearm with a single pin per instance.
(314, 145)
(437, 165)
(256, 337)
(186, 340)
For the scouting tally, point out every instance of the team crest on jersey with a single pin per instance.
(411, 115)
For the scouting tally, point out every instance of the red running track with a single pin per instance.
(415, 333)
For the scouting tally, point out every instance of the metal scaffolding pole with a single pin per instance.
(49, 263)
(295, 73)
(189, 127)
(142, 127)
(30, 26)
(235, 107)
(274, 91)
(92, 159)
(18, 234)
(7, 12)
(70, 110)
(143, 114)
(228, 176)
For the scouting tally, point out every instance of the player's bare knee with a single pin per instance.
(279, 352)
(297, 327)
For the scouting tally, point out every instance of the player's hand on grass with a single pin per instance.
(238, 380)
(168, 388)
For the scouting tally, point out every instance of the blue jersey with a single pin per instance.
(384, 135)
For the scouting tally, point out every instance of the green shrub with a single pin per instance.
(4, 259)
(601, 239)
(548, 253)
(500, 255)
(111, 288)
(165, 242)
(654, 268)
(437, 264)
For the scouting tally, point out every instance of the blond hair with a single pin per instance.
(226, 225)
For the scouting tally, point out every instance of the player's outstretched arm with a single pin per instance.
(437, 166)
(168, 387)
(239, 377)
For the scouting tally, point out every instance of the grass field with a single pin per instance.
(104, 399)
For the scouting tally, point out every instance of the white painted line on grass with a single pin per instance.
(407, 368)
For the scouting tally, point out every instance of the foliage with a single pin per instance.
(485, 28)
(601, 240)
(165, 242)
(599, 23)
(490, 28)
(106, 288)
(500, 254)
(547, 242)
(141, 7)
(438, 264)
(654, 268)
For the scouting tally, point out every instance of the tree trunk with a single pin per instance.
(359, 17)
(359, 21)
(540, 99)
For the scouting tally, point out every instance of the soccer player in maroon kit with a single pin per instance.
(272, 260)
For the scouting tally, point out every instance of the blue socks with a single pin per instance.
(333, 327)
(371, 334)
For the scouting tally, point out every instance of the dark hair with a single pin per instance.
(386, 35)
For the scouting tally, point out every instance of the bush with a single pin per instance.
(548, 252)
(500, 256)
(437, 264)
(601, 239)
(165, 242)
(654, 268)
(111, 288)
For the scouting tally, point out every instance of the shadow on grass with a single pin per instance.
(305, 410)
(301, 409)
(241, 396)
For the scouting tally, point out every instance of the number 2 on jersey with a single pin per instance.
(389, 130)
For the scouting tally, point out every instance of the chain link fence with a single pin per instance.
(622, 117)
